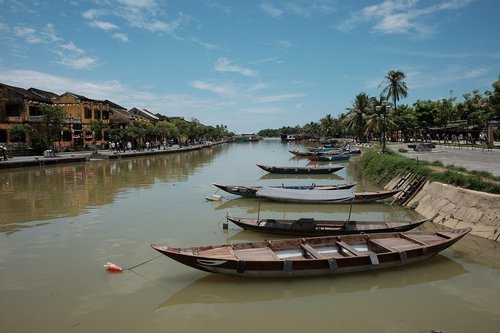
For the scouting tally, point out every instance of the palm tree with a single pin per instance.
(374, 117)
(395, 88)
(327, 125)
(356, 118)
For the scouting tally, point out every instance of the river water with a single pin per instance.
(59, 225)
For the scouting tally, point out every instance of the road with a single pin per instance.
(469, 158)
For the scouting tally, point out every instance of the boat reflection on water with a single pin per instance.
(221, 289)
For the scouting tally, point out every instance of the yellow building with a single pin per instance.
(81, 113)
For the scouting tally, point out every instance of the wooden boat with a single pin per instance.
(317, 196)
(249, 191)
(300, 153)
(308, 154)
(305, 196)
(300, 170)
(317, 255)
(329, 157)
(312, 227)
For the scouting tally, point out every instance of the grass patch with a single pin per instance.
(381, 168)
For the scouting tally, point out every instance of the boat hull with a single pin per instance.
(301, 257)
(249, 191)
(311, 228)
(300, 170)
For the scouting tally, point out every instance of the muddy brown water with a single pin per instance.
(59, 225)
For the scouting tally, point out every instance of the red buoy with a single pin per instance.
(110, 267)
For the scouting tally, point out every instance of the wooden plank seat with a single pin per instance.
(398, 244)
(413, 239)
(379, 244)
(219, 252)
(350, 250)
(263, 254)
(312, 252)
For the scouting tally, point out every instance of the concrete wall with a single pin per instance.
(459, 208)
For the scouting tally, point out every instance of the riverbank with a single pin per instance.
(456, 207)
(453, 206)
(77, 157)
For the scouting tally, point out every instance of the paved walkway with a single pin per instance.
(81, 156)
(466, 157)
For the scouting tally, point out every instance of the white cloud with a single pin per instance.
(103, 25)
(141, 14)
(285, 44)
(69, 54)
(206, 45)
(225, 65)
(301, 8)
(216, 88)
(277, 98)
(401, 16)
(478, 72)
(92, 14)
(121, 37)
(73, 57)
(30, 35)
(139, 3)
(270, 9)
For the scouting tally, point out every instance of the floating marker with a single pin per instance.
(110, 267)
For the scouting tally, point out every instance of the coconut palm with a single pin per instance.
(356, 117)
(327, 124)
(395, 86)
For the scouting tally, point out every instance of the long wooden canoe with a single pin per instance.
(249, 191)
(317, 255)
(312, 227)
(299, 170)
(327, 197)
(329, 158)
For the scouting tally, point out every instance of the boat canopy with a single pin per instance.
(305, 195)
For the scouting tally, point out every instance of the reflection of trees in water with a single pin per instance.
(34, 194)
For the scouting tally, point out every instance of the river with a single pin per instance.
(60, 224)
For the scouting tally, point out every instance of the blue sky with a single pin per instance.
(249, 65)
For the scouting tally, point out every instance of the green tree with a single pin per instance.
(356, 116)
(395, 88)
(96, 126)
(18, 132)
(167, 130)
(52, 118)
(326, 125)
(495, 99)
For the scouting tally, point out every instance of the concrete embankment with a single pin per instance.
(456, 207)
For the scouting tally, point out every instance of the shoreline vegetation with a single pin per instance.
(381, 168)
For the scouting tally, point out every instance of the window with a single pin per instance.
(105, 114)
(3, 135)
(97, 114)
(34, 111)
(88, 113)
(13, 109)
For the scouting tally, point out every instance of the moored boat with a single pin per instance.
(249, 191)
(312, 227)
(329, 158)
(317, 255)
(347, 196)
(300, 170)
